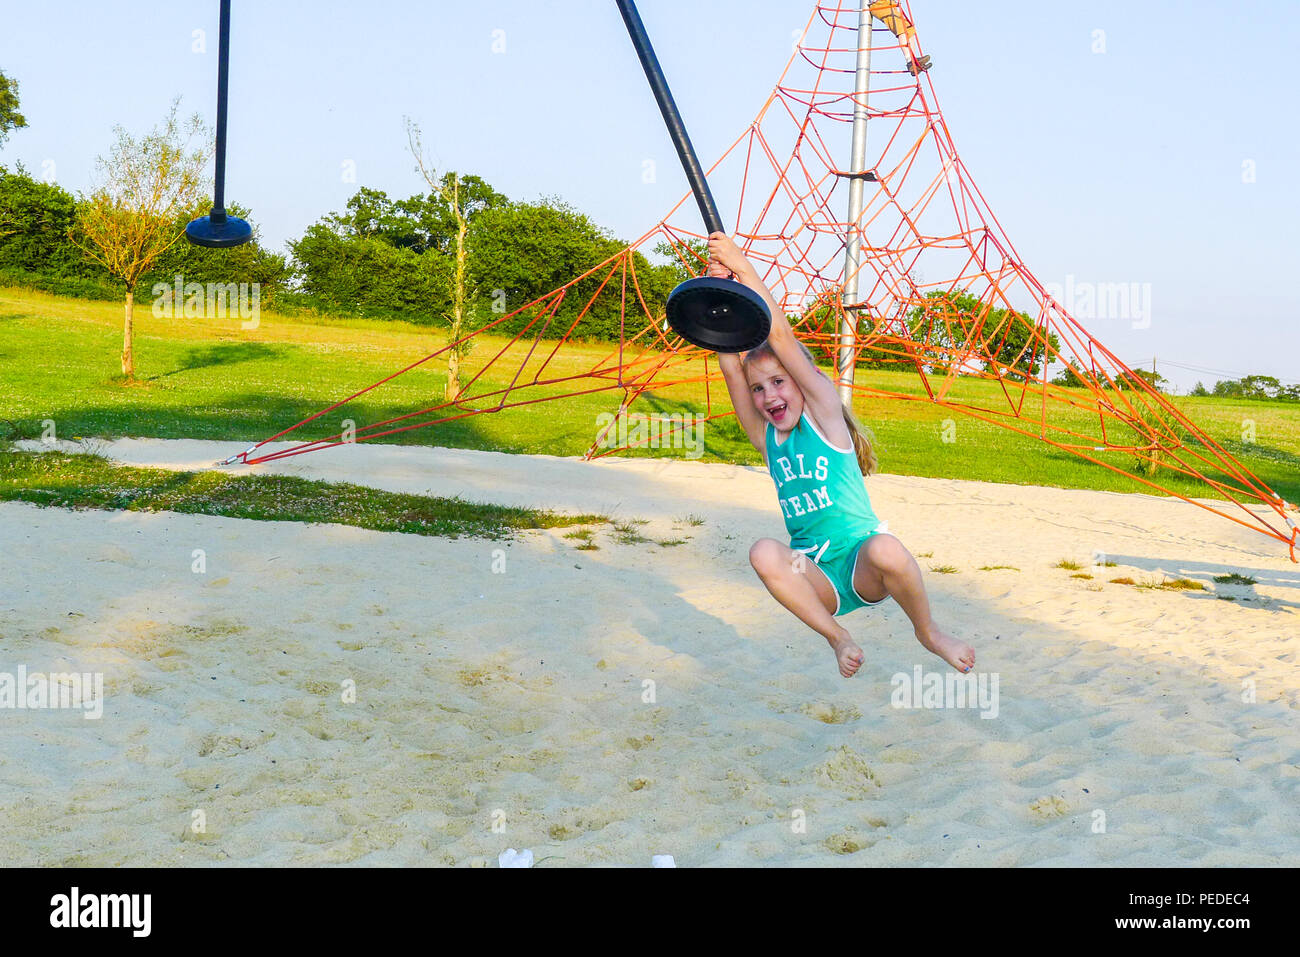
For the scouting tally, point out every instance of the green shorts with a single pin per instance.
(838, 562)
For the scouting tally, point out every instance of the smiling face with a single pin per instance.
(775, 393)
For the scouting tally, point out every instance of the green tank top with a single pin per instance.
(823, 497)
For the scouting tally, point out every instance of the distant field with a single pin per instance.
(208, 378)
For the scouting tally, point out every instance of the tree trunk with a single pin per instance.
(453, 377)
(128, 354)
(457, 298)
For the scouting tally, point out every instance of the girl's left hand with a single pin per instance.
(717, 270)
(722, 249)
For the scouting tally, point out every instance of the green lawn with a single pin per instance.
(210, 379)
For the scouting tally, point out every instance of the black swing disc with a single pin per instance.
(218, 231)
(721, 315)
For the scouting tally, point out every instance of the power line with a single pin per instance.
(1221, 373)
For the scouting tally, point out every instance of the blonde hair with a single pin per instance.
(864, 443)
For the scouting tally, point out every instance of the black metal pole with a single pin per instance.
(676, 130)
(223, 77)
(218, 230)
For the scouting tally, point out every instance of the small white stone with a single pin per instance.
(512, 858)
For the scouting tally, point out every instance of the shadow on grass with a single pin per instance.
(221, 355)
(251, 417)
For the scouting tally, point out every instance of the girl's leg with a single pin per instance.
(885, 567)
(797, 583)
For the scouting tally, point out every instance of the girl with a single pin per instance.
(817, 453)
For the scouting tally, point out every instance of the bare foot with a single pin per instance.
(957, 653)
(849, 656)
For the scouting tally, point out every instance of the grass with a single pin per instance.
(1177, 584)
(1233, 579)
(210, 379)
(1172, 584)
(944, 569)
(993, 568)
(83, 481)
(1068, 565)
(627, 534)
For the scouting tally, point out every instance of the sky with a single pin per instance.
(1169, 158)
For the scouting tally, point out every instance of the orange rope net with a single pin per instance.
(941, 290)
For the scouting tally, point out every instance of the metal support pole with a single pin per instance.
(223, 81)
(857, 164)
(218, 230)
(676, 129)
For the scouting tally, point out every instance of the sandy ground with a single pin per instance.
(600, 707)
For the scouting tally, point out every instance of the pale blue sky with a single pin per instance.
(1124, 166)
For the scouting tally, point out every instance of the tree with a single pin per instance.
(34, 221)
(130, 219)
(249, 262)
(522, 251)
(1005, 341)
(461, 201)
(1199, 389)
(1070, 377)
(367, 275)
(10, 118)
(1260, 387)
(1153, 379)
(1020, 343)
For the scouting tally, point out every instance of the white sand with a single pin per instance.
(516, 697)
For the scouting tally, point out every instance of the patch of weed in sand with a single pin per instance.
(1068, 565)
(583, 535)
(1233, 579)
(1177, 584)
(1152, 584)
(994, 568)
(627, 534)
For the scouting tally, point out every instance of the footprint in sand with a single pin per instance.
(831, 713)
(846, 771)
(1049, 806)
(848, 841)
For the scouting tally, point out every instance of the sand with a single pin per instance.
(331, 695)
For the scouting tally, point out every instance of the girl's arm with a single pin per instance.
(755, 425)
(751, 421)
(818, 390)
